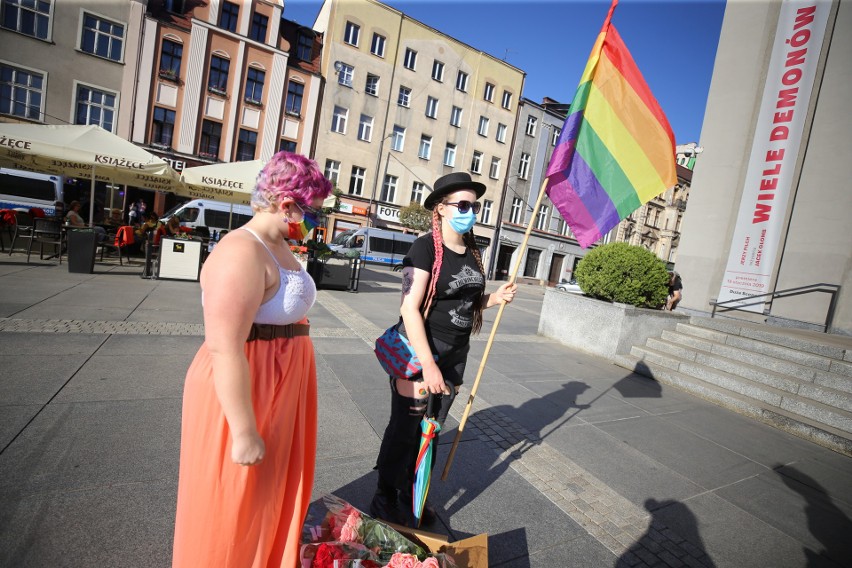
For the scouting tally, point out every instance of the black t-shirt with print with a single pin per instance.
(460, 287)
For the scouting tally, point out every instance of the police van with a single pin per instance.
(25, 190)
(215, 215)
(377, 246)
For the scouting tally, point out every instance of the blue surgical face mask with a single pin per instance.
(463, 222)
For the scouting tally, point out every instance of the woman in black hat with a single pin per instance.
(443, 295)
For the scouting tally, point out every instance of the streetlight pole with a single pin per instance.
(376, 182)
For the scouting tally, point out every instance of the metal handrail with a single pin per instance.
(833, 289)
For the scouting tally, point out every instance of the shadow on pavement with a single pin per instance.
(648, 546)
(826, 522)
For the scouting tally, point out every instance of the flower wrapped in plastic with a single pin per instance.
(343, 523)
(337, 555)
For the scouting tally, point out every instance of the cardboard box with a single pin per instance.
(471, 552)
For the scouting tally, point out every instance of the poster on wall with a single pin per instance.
(769, 180)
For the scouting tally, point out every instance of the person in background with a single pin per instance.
(115, 218)
(249, 431)
(443, 297)
(675, 290)
(148, 226)
(132, 214)
(173, 226)
(74, 219)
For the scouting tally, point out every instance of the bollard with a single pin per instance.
(355, 275)
(147, 271)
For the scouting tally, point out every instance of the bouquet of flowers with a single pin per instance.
(347, 530)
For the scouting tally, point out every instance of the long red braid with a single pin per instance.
(438, 240)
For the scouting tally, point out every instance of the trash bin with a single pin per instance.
(81, 250)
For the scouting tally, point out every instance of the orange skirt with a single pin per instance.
(238, 516)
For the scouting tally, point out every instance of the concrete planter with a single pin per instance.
(599, 327)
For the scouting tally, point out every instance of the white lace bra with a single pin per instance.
(295, 295)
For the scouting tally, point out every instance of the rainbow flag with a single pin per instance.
(616, 150)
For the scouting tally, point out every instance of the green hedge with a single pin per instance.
(618, 272)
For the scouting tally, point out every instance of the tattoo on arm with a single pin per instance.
(407, 282)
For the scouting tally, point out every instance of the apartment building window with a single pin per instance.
(486, 211)
(450, 155)
(175, 6)
(417, 192)
(211, 136)
(352, 34)
(476, 163)
(554, 136)
(21, 92)
(295, 92)
(332, 171)
(102, 38)
(372, 86)
(28, 17)
(345, 75)
(456, 116)
(483, 126)
(377, 48)
(95, 107)
(365, 128)
(254, 85)
(389, 189)
(501, 133)
(431, 107)
(338, 120)
(541, 219)
(524, 166)
(494, 171)
(163, 127)
(410, 60)
(404, 98)
(246, 145)
(532, 122)
(398, 138)
(425, 149)
(285, 145)
(230, 16)
(438, 71)
(515, 212)
(507, 100)
(218, 80)
(356, 180)
(171, 56)
(259, 23)
(489, 93)
(461, 81)
(305, 47)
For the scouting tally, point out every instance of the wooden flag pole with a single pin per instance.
(491, 336)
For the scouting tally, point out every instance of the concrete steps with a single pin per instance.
(798, 381)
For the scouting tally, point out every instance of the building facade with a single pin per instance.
(70, 62)
(217, 82)
(403, 105)
(770, 205)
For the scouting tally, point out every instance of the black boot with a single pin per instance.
(385, 507)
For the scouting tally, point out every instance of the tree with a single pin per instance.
(415, 217)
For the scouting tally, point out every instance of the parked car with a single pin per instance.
(569, 286)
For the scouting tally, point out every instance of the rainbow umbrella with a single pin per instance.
(298, 231)
(429, 429)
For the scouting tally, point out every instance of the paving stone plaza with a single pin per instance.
(566, 460)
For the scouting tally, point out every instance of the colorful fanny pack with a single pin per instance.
(397, 356)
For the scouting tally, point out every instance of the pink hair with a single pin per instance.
(289, 176)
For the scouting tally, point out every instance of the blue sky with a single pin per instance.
(674, 43)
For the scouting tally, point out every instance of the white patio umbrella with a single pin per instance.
(86, 151)
(231, 182)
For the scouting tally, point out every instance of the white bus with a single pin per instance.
(25, 190)
(375, 245)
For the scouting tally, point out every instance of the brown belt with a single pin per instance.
(268, 332)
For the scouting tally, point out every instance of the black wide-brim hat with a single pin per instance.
(449, 183)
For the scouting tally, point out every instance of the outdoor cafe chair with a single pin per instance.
(23, 228)
(46, 232)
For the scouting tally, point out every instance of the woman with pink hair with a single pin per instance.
(443, 295)
(248, 437)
